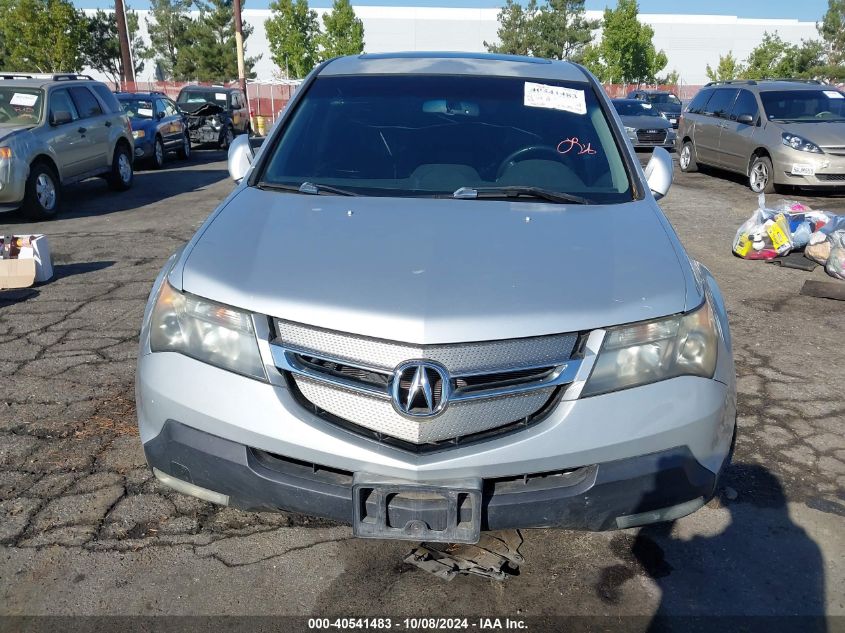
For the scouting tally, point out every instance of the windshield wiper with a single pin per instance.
(516, 191)
(309, 188)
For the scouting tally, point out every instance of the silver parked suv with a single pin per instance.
(775, 132)
(455, 307)
(55, 130)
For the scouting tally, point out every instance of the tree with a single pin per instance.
(773, 57)
(211, 55)
(832, 30)
(343, 34)
(557, 29)
(292, 32)
(102, 45)
(168, 29)
(626, 53)
(42, 36)
(727, 69)
(562, 30)
(670, 79)
(515, 32)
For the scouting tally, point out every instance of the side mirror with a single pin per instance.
(659, 172)
(60, 117)
(745, 119)
(159, 115)
(240, 157)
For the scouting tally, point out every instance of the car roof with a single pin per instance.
(41, 82)
(454, 63)
(623, 101)
(140, 95)
(654, 91)
(772, 84)
(197, 87)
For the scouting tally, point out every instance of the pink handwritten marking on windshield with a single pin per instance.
(573, 144)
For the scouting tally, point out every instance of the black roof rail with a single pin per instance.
(16, 76)
(728, 82)
(794, 80)
(70, 77)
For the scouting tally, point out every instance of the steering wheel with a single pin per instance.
(821, 114)
(525, 153)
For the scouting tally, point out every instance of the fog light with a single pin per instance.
(190, 489)
(139, 151)
(663, 514)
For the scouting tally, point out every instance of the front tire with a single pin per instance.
(184, 152)
(158, 153)
(761, 175)
(686, 159)
(122, 174)
(43, 193)
(228, 137)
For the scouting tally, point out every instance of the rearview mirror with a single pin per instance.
(659, 172)
(745, 119)
(60, 117)
(240, 157)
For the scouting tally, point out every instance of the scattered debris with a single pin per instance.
(824, 290)
(24, 260)
(795, 260)
(730, 493)
(496, 555)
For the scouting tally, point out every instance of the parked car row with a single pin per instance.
(57, 129)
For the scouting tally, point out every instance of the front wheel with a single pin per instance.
(43, 193)
(761, 175)
(158, 153)
(686, 159)
(122, 175)
(228, 137)
(184, 152)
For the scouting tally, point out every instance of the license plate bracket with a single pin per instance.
(386, 508)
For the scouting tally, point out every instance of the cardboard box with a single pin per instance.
(33, 264)
(17, 273)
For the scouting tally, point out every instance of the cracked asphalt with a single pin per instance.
(86, 530)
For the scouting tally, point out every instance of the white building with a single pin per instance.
(690, 41)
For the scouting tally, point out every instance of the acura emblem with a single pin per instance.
(419, 388)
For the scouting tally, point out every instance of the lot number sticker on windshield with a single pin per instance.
(145, 111)
(23, 99)
(832, 94)
(220, 96)
(555, 98)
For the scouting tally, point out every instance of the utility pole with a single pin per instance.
(128, 74)
(239, 45)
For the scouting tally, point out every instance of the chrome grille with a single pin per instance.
(357, 381)
(831, 177)
(461, 358)
(834, 150)
(458, 420)
(651, 136)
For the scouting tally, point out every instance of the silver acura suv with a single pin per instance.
(455, 306)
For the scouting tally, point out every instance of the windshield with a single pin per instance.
(664, 98)
(137, 108)
(804, 105)
(20, 106)
(419, 135)
(635, 108)
(203, 96)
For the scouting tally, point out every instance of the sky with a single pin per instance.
(810, 10)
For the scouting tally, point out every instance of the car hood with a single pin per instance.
(201, 109)
(6, 132)
(668, 108)
(438, 271)
(646, 122)
(822, 133)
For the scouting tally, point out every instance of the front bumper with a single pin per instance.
(205, 134)
(635, 450)
(803, 169)
(13, 175)
(617, 494)
(143, 149)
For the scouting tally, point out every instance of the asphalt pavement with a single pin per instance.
(85, 530)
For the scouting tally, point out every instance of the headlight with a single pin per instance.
(630, 131)
(204, 330)
(642, 353)
(801, 144)
(138, 134)
(215, 123)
